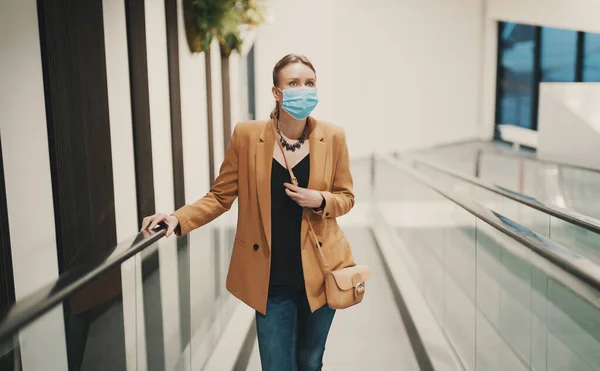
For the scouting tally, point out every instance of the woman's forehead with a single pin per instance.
(297, 71)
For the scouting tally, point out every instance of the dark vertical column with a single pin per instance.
(372, 164)
(251, 84)
(183, 269)
(580, 56)
(217, 262)
(499, 80)
(478, 159)
(7, 284)
(74, 69)
(175, 97)
(226, 90)
(140, 107)
(9, 358)
(79, 143)
(209, 116)
(155, 347)
(537, 77)
(183, 260)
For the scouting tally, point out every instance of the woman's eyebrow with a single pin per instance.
(300, 78)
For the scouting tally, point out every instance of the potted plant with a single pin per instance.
(206, 20)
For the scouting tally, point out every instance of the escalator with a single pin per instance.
(142, 306)
(456, 286)
(153, 303)
(564, 185)
(565, 189)
(579, 232)
(559, 184)
(505, 296)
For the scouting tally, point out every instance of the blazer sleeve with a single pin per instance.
(220, 197)
(341, 198)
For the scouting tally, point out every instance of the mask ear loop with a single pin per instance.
(281, 91)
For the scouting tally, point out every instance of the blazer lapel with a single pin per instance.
(264, 162)
(318, 155)
(318, 159)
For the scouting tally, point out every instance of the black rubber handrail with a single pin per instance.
(33, 306)
(578, 266)
(567, 215)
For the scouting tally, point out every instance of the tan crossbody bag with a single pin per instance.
(344, 287)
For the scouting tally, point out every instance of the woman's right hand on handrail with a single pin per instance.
(150, 222)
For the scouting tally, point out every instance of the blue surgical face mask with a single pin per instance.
(299, 102)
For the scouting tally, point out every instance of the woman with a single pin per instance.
(275, 267)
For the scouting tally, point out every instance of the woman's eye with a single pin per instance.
(293, 83)
(310, 84)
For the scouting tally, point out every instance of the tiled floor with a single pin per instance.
(370, 336)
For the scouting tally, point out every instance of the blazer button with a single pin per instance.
(255, 247)
(326, 214)
(320, 244)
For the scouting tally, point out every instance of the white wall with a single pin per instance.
(27, 169)
(162, 158)
(303, 28)
(121, 131)
(217, 105)
(195, 160)
(580, 15)
(160, 108)
(237, 107)
(570, 111)
(193, 117)
(121, 135)
(396, 74)
(28, 182)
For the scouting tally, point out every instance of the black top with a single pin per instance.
(286, 219)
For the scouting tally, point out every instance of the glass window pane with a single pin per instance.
(517, 44)
(591, 57)
(558, 55)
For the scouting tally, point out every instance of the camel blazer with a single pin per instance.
(246, 174)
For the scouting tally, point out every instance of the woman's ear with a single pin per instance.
(276, 93)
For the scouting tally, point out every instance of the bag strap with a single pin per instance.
(295, 182)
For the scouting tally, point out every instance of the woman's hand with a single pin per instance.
(303, 196)
(150, 222)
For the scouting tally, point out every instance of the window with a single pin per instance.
(528, 55)
(591, 58)
(516, 74)
(558, 55)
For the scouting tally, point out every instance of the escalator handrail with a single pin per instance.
(578, 266)
(530, 157)
(569, 216)
(34, 305)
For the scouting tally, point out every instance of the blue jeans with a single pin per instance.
(290, 337)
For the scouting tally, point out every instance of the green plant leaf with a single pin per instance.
(207, 19)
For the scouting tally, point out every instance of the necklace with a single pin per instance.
(291, 147)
